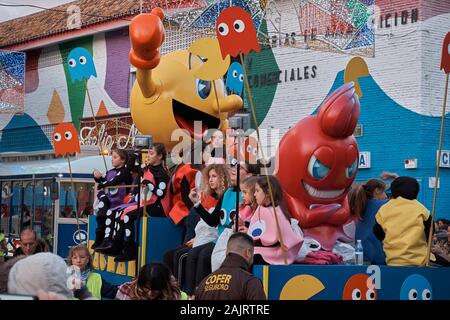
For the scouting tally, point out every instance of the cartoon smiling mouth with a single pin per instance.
(322, 194)
(186, 115)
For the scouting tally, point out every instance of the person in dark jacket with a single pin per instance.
(233, 281)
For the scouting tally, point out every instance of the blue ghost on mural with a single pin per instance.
(80, 64)
(235, 79)
(416, 287)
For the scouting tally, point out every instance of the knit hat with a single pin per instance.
(45, 271)
(405, 187)
(441, 235)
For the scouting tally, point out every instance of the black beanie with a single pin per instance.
(405, 187)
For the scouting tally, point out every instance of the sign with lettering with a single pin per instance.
(117, 131)
(444, 161)
(364, 160)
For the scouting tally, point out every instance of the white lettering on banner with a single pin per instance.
(88, 137)
(364, 160)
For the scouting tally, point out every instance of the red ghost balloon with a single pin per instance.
(445, 61)
(357, 288)
(65, 139)
(317, 162)
(236, 32)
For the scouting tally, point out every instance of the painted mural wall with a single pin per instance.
(290, 77)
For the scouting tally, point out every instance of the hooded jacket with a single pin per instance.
(232, 281)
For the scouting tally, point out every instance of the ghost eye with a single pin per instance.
(239, 26)
(68, 135)
(82, 60)
(241, 77)
(72, 63)
(350, 171)
(426, 294)
(249, 149)
(356, 294)
(317, 169)
(412, 294)
(57, 136)
(235, 74)
(203, 88)
(223, 29)
(370, 294)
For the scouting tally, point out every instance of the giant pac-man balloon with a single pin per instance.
(210, 64)
(80, 64)
(317, 162)
(65, 140)
(167, 96)
(445, 60)
(236, 32)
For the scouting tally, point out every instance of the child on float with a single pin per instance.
(246, 210)
(403, 224)
(110, 197)
(263, 226)
(154, 200)
(198, 261)
(201, 233)
(220, 217)
(80, 258)
(365, 200)
(154, 282)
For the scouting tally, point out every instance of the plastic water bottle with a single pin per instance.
(359, 255)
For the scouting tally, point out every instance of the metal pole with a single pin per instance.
(139, 156)
(238, 173)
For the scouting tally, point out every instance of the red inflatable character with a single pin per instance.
(317, 163)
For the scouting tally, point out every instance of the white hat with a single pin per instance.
(44, 270)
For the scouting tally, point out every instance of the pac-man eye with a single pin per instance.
(72, 63)
(426, 294)
(203, 88)
(82, 60)
(235, 73)
(350, 171)
(412, 294)
(356, 294)
(223, 29)
(57, 136)
(239, 26)
(370, 294)
(68, 135)
(257, 229)
(241, 77)
(317, 169)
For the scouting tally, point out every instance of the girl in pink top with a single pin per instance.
(263, 226)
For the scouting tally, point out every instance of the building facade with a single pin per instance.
(305, 47)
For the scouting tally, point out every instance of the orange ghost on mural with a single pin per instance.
(358, 288)
(445, 60)
(65, 140)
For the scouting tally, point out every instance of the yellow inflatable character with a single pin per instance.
(166, 95)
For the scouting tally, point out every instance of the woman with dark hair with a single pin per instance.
(365, 201)
(154, 282)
